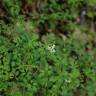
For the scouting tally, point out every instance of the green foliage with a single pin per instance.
(29, 67)
(12, 7)
(62, 62)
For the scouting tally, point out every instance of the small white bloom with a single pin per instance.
(68, 81)
(51, 48)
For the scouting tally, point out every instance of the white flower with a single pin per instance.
(67, 81)
(51, 48)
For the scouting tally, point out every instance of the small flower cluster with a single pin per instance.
(51, 48)
(68, 81)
